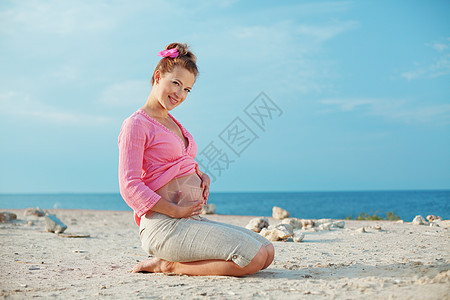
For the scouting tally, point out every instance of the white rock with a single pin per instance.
(400, 222)
(7, 216)
(257, 224)
(285, 228)
(270, 234)
(294, 222)
(209, 209)
(377, 227)
(325, 226)
(281, 232)
(419, 220)
(298, 236)
(432, 218)
(34, 212)
(279, 213)
(361, 230)
(307, 223)
(338, 224)
(53, 224)
(322, 221)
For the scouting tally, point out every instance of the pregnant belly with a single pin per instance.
(189, 186)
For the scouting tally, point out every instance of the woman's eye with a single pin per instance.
(176, 82)
(187, 90)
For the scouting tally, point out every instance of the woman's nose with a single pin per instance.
(179, 93)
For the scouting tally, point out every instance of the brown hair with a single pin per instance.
(185, 59)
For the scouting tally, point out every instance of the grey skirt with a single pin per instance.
(186, 240)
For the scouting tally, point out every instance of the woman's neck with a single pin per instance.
(154, 109)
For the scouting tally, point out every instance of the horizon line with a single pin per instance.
(253, 191)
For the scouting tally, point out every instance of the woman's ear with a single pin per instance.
(157, 76)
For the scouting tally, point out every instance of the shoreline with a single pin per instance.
(396, 261)
(316, 205)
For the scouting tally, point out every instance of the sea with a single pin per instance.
(308, 205)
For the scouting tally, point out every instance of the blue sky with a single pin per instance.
(362, 88)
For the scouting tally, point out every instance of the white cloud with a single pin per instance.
(439, 67)
(16, 104)
(65, 73)
(397, 110)
(440, 47)
(348, 104)
(326, 32)
(317, 7)
(57, 17)
(67, 17)
(126, 94)
(288, 30)
(283, 54)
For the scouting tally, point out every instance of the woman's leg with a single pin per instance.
(270, 256)
(269, 246)
(200, 248)
(204, 267)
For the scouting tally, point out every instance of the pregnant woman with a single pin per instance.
(160, 180)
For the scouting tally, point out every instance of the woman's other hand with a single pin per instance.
(205, 184)
(186, 207)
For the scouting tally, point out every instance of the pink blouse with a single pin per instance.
(151, 155)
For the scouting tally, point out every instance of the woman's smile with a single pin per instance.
(173, 101)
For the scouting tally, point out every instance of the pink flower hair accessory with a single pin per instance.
(172, 53)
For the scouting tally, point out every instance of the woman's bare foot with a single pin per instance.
(154, 265)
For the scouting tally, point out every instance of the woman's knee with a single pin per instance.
(258, 261)
(270, 255)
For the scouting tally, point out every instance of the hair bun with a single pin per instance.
(183, 50)
(185, 59)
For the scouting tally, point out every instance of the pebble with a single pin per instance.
(307, 223)
(432, 218)
(419, 220)
(7, 216)
(34, 212)
(325, 226)
(281, 232)
(434, 224)
(361, 230)
(79, 251)
(322, 221)
(339, 224)
(377, 227)
(209, 209)
(257, 224)
(279, 213)
(298, 236)
(53, 224)
(294, 222)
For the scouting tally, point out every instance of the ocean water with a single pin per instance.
(313, 205)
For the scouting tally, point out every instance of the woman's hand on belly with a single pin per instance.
(181, 208)
(205, 183)
(186, 195)
(186, 207)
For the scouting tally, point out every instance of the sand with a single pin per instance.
(400, 261)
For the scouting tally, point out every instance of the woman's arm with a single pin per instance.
(184, 209)
(136, 194)
(132, 143)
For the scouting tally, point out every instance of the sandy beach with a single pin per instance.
(396, 261)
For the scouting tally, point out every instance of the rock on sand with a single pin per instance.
(279, 213)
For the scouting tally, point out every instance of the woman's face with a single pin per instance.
(173, 87)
